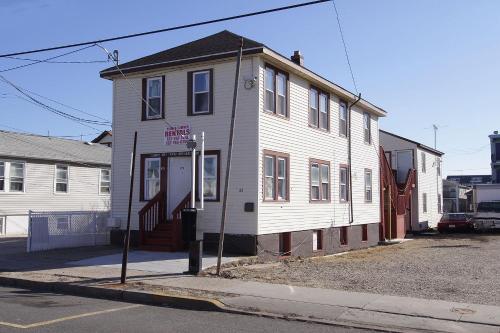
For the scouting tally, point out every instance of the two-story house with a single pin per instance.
(50, 174)
(292, 189)
(427, 198)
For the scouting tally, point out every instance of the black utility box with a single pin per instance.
(188, 216)
(195, 257)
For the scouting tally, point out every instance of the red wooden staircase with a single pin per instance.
(157, 233)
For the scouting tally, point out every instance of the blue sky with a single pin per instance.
(423, 61)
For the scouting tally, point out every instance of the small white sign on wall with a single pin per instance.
(177, 135)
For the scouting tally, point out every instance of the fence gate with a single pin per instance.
(55, 230)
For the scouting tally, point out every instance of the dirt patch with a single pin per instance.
(461, 268)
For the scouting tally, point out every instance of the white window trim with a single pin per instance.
(326, 98)
(55, 179)
(322, 181)
(367, 126)
(346, 127)
(283, 178)
(100, 180)
(369, 186)
(146, 175)
(200, 92)
(68, 222)
(283, 77)
(7, 178)
(147, 97)
(346, 184)
(214, 198)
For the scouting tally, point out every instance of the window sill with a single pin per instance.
(274, 114)
(193, 114)
(319, 201)
(324, 130)
(148, 119)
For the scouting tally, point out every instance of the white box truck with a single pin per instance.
(486, 198)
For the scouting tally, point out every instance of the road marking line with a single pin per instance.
(58, 320)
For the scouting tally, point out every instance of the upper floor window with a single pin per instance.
(367, 127)
(318, 109)
(276, 91)
(200, 92)
(153, 98)
(152, 168)
(61, 179)
(276, 183)
(438, 166)
(343, 118)
(320, 181)
(105, 181)
(368, 185)
(16, 177)
(344, 183)
(424, 163)
(2, 176)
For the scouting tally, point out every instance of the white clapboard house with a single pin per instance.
(292, 189)
(427, 199)
(50, 174)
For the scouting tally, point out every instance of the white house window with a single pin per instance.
(275, 176)
(154, 98)
(61, 180)
(315, 181)
(201, 92)
(281, 94)
(344, 186)
(320, 181)
(367, 127)
(210, 185)
(368, 185)
(313, 107)
(438, 165)
(2, 176)
(323, 111)
(16, 181)
(269, 177)
(424, 166)
(343, 118)
(62, 222)
(424, 202)
(105, 181)
(275, 87)
(151, 177)
(269, 86)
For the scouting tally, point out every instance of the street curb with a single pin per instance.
(134, 296)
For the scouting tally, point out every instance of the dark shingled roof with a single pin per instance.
(221, 42)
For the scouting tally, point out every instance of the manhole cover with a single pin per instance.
(463, 311)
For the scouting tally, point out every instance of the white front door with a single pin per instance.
(178, 181)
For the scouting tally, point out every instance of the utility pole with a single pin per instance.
(229, 154)
(126, 244)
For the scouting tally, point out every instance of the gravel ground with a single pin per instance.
(461, 268)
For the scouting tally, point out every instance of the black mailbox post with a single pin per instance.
(188, 216)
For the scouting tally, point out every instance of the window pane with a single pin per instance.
(343, 192)
(324, 173)
(343, 176)
(269, 166)
(269, 79)
(314, 175)
(201, 101)
(210, 166)
(343, 119)
(154, 106)
(16, 170)
(201, 82)
(105, 175)
(325, 191)
(61, 187)
(315, 192)
(105, 189)
(152, 187)
(2, 169)
(269, 188)
(154, 88)
(269, 100)
(281, 167)
(281, 188)
(16, 185)
(281, 84)
(62, 173)
(152, 178)
(281, 105)
(2, 175)
(210, 188)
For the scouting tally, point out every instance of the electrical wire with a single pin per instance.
(184, 26)
(345, 47)
(45, 60)
(59, 62)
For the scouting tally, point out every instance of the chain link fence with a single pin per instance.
(55, 230)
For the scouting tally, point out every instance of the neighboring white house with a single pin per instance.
(289, 189)
(404, 154)
(50, 174)
(105, 138)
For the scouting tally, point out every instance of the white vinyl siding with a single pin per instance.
(61, 179)
(154, 98)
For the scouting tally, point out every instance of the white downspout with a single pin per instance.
(193, 174)
(202, 177)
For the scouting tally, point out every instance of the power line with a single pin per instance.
(59, 62)
(47, 136)
(345, 47)
(45, 60)
(33, 100)
(184, 26)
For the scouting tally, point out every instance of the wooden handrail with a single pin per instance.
(152, 214)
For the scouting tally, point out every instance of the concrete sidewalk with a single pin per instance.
(383, 312)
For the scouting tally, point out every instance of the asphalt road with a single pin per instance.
(28, 311)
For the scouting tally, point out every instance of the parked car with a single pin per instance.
(455, 222)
